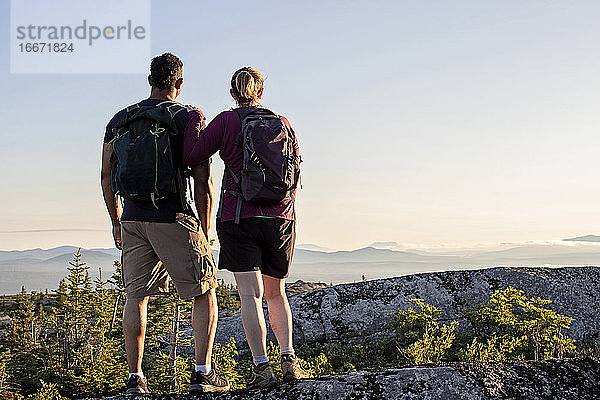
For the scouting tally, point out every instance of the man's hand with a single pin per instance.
(117, 236)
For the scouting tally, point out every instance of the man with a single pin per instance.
(161, 238)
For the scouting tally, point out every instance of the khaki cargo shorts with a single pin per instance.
(155, 251)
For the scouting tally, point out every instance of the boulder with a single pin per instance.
(329, 314)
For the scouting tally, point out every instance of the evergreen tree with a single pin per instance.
(118, 289)
(61, 292)
(76, 310)
(225, 300)
(101, 358)
(23, 318)
(163, 362)
(23, 367)
(85, 359)
(5, 387)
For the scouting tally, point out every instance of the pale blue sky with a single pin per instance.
(422, 122)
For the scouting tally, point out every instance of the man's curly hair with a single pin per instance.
(165, 70)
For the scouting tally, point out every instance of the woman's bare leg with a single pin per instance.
(250, 288)
(280, 315)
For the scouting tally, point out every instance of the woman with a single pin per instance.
(257, 239)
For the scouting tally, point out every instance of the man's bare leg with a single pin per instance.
(205, 314)
(134, 329)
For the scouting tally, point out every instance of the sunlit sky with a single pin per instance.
(428, 122)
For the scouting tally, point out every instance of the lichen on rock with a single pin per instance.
(528, 380)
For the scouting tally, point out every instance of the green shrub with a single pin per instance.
(275, 359)
(544, 330)
(493, 349)
(589, 348)
(6, 392)
(48, 391)
(511, 326)
(348, 367)
(317, 366)
(4, 359)
(225, 300)
(361, 353)
(314, 366)
(225, 357)
(420, 337)
(163, 376)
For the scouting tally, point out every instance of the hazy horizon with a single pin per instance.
(38, 269)
(392, 245)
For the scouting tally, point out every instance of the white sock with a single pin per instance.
(287, 351)
(205, 369)
(260, 359)
(140, 374)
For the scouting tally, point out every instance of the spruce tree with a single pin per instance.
(23, 317)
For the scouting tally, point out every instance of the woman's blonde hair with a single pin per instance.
(246, 84)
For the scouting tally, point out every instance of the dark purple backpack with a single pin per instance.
(270, 169)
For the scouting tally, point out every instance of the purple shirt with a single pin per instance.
(221, 135)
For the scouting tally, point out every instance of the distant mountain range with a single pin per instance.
(587, 238)
(313, 247)
(38, 269)
(384, 245)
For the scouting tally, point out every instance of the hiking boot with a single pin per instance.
(262, 376)
(291, 368)
(211, 382)
(136, 385)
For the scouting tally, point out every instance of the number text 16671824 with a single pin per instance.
(43, 47)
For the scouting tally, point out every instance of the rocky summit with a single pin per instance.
(335, 313)
(544, 380)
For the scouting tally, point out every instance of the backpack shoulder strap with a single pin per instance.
(129, 111)
(267, 111)
(172, 107)
(238, 208)
(163, 112)
(243, 112)
(132, 107)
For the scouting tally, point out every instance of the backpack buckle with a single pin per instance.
(157, 130)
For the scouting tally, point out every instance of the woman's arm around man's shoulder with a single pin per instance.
(200, 142)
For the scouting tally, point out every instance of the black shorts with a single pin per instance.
(257, 244)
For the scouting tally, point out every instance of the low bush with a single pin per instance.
(512, 326)
(420, 337)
